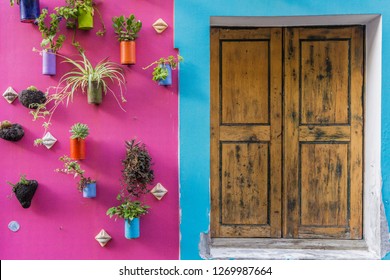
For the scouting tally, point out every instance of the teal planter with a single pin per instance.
(90, 190)
(132, 228)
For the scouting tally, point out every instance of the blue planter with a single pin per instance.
(132, 228)
(48, 63)
(29, 10)
(168, 80)
(90, 190)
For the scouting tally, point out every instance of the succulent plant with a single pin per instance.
(79, 130)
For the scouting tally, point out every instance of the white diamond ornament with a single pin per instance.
(159, 191)
(160, 25)
(103, 237)
(48, 140)
(10, 95)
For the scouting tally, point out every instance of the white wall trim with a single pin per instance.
(372, 194)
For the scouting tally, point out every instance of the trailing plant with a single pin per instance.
(79, 79)
(137, 173)
(79, 130)
(72, 167)
(159, 71)
(128, 209)
(49, 33)
(126, 28)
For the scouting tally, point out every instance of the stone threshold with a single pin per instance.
(288, 249)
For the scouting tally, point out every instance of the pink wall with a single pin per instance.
(61, 224)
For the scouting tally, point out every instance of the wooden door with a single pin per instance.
(302, 179)
(323, 129)
(246, 128)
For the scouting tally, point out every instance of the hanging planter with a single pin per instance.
(11, 132)
(127, 52)
(32, 97)
(132, 228)
(85, 185)
(29, 10)
(127, 30)
(24, 190)
(50, 42)
(162, 73)
(95, 93)
(85, 18)
(49, 63)
(78, 132)
(77, 149)
(168, 80)
(81, 13)
(89, 190)
(130, 211)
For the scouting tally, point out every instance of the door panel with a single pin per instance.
(245, 77)
(325, 81)
(323, 147)
(246, 128)
(310, 138)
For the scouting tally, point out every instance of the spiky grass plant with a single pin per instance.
(84, 74)
(79, 79)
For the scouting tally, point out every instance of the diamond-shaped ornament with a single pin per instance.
(160, 25)
(159, 191)
(10, 95)
(103, 237)
(48, 140)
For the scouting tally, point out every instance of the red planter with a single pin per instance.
(77, 148)
(127, 52)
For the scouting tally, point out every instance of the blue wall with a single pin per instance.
(192, 23)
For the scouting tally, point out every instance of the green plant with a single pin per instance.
(5, 124)
(49, 32)
(160, 72)
(126, 28)
(79, 130)
(128, 209)
(137, 173)
(72, 167)
(22, 181)
(79, 79)
(72, 9)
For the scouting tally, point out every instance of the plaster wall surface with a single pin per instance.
(194, 139)
(61, 224)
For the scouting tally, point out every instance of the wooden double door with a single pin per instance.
(287, 132)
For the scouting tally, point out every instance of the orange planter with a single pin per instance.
(127, 52)
(77, 148)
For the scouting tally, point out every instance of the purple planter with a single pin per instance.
(48, 63)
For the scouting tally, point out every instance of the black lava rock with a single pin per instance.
(31, 96)
(25, 192)
(13, 133)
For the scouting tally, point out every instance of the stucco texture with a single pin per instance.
(61, 224)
